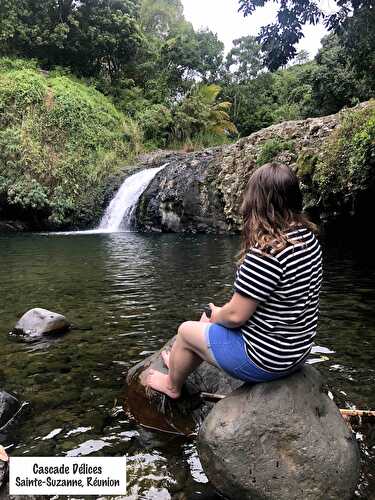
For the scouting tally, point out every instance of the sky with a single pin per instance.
(222, 17)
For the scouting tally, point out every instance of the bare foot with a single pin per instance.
(165, 355)
(161, 383)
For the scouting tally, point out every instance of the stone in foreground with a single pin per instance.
(182, 416)
(9, 406)
(280, 440)
(39, 321)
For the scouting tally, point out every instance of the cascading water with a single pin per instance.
(119, 213)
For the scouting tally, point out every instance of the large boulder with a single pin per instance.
(280, 440)
(155, 410)
(38, 321)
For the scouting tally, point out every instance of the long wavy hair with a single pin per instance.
(272, 205)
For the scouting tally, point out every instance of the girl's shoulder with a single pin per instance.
(298, 230)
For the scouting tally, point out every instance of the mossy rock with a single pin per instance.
(346, 169)
(306, 164)
(270, 149)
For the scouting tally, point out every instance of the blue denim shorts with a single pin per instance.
(228, 351)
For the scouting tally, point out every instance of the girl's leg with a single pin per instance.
(165, 354)
(188, 352)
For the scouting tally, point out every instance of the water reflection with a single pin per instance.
(127, 293)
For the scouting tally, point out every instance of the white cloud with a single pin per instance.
(222, 17)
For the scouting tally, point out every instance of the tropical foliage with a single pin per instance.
(86, 85)
(59, 142)
(279, 38)
(347, 167)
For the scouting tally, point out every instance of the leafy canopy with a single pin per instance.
(90, 36)
(279, 39)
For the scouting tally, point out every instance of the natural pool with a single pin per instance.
(126, 293)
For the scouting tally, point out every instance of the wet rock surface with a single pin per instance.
(180, 197)
(9, 407)
(281, 440)
(3, 479)
(39, 321)
(12, 226)
(157, 411)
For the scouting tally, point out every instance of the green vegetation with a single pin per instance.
(348, 161)
(271, 148)
(149, 61)
(306, 164)
(279, 39)
(59, 141)
(86, 85)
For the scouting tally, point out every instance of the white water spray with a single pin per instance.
(119, 213)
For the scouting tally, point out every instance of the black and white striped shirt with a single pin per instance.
(286, 285)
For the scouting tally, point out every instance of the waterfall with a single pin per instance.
(119, 213)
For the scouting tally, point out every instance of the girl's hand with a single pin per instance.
(215, 311)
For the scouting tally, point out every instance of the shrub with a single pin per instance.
(271, 148)
(155, 121)
(347, 162)
(59, 142)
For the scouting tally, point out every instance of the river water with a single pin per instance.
(126, 293)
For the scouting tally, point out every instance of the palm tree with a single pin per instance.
(219, 121)
(199, 114)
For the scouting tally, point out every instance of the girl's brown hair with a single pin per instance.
(272, 205)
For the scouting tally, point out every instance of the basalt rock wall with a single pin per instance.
(202, 191)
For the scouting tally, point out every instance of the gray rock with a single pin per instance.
(4, 495)
(281, 440)
(11, 226)
(155, 410)
(39, 321)
(3, 478)
(9, 406)
(202, 191)
(180, 198)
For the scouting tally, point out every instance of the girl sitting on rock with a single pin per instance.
(266, 330)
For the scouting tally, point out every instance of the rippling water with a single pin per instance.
(126, 293)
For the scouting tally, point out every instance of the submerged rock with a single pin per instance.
(39, 321)
(155, 410)
(280, 440)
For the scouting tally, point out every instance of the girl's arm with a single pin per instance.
(235, 312)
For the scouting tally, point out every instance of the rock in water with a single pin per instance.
(9, 407)
(39, 321)
(281, 440)
(155, 410)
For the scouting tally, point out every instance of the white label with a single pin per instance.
(67, 476)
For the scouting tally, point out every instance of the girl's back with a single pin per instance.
(286, 284)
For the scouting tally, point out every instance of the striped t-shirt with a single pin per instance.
(286, 285)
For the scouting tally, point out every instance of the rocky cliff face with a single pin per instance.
(182, 196)
(202, 191)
